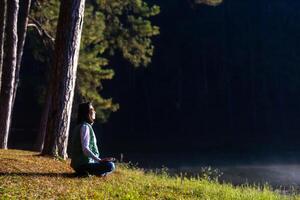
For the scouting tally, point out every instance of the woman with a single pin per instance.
(85, 155)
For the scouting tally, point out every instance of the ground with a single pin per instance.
(26, 175)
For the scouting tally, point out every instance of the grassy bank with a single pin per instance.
(26, 175)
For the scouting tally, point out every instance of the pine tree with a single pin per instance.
(63, 76)
(110, 27)
(9, 70)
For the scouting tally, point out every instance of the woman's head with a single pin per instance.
(86, 113)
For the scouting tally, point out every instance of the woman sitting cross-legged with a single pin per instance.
(84, 151)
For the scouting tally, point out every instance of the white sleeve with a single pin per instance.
(85, 138)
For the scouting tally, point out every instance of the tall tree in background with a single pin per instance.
(111, 27)
(14, 45)
(63, 76)
(2, 29)
(9, 70)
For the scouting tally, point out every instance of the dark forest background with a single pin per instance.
(223, 79)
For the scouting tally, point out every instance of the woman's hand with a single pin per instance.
(108, 159)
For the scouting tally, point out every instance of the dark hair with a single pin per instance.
(83, 113)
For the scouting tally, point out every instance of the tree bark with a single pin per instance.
(64, 77)
(2, 29)
(9, 69)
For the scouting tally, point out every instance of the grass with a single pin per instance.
(26, 175)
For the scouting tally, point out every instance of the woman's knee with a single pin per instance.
(111, 166)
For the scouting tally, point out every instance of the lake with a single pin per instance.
(281, 171)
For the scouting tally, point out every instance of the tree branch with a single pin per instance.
(46, 37)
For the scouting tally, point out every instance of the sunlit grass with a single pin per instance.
(25, 175)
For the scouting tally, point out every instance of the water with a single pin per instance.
(276, 175)
(280, 172)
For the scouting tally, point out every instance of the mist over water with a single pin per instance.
(276, 175)
(281, 172)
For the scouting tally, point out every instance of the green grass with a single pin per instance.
(25, 175)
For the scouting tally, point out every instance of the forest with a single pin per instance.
(55, 42)
(198, 75)
(149, 99)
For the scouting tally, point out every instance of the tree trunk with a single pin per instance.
(49, 45)
(64, 77)
(2, 29)
(39, 144)
(9, 69)
(22, 30)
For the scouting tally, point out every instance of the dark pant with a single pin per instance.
(101, 168)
